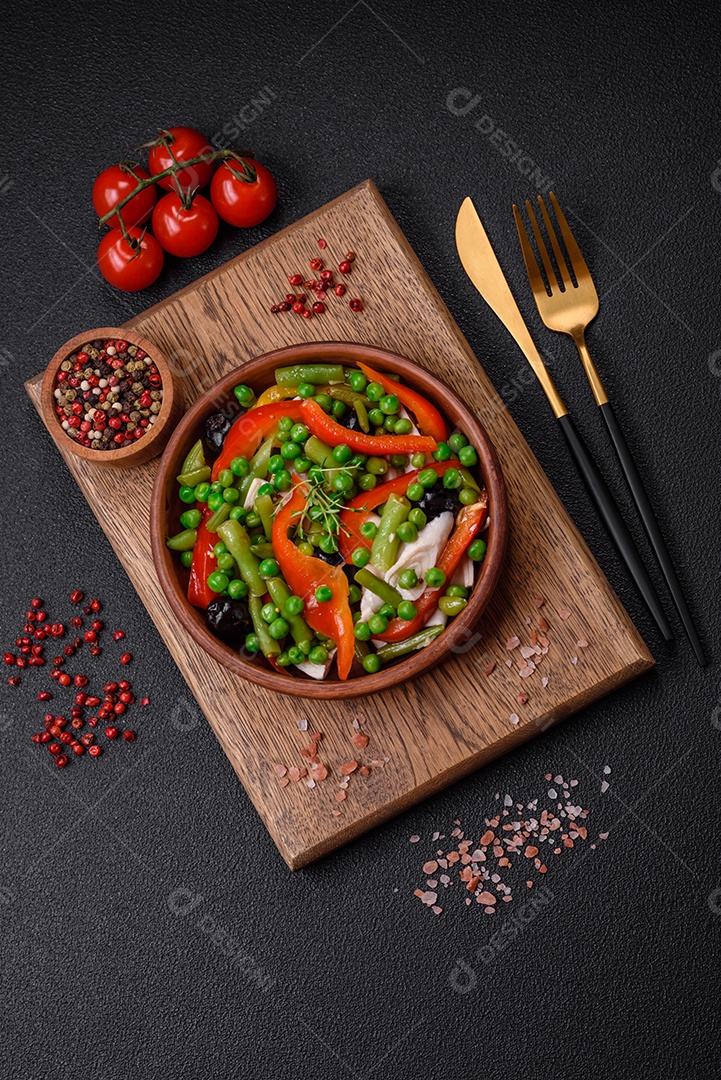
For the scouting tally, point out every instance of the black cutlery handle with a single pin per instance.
(651, 525)
(616, 526)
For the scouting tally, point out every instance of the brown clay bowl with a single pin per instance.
(166, 508)
(152, 443)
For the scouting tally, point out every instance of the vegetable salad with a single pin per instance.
(334, 524)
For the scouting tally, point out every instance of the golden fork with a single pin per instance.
(569, 309)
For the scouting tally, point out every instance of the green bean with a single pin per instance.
(352, 398)
(263, 507)
(258, 466)
(237, 541)
(182, 541)
(385, 546)
(268, 645)
(395, 649)
(469, 479)
(279, 593)
(191, 477)
(318, 452)
(263, 550)
(221, 514)
(361, 649)
(317, 374)
(195, 457)
(380, 588)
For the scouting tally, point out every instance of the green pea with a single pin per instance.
(338, 410)
(477, 550)
(191, 519)
(252, 644)
(216, 486)
(219, 549)
(276, 463)
(282, 481)
(237, 589)
(285, 424)
(457, 590)
(408, 580)
(299, 433)
(318, 655)
(215, 501)
(443, 452)
(467, 496)
(377, 466)
(467, 456)
(283, 660)
(316, 474)
(418, 461)
(325, 401)
(238, 513)
(291, 450)
(328, 544)
(240, 466)
(367, 482)
(417, 517)
(342, 453)
(374, 391)
(258, 539)
(378, 624)
(399, 461)
(323, 594)
(342, 481)
(376, 417)
(293, 606)
(402, 426)
(244, 394)
(407, 532)
(253, 520)
(389, 423)
(457, 441)
(452, 479)
(435, 578)
(362, 631)
(371, 663)
(452, 605)
(428, 477)
(389, 404)
(360, 557)
(407, 610)
(225, 478)
(202, 491)
(186, 559)
(226, 562)
(231, 494)
(186, 494)
(415, 491)
(302, 463)
(306, 390)
(387, 611)
(305, 548)
(266, 489)
(358, 461)
(305, 646)
(296, 654)
(278, 628)
(369, 530)
(316, 513)
(269, 613)
(354, 594)
(268, 568)
(218, 582)
(357, 381)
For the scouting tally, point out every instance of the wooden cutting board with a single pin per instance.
(423, 735)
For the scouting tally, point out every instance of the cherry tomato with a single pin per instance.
(185, 232)
(128, 269)
(113, 184)
(187, 143)
(239, 202)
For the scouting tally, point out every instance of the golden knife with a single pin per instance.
(483, 268)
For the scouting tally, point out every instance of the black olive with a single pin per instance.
(216, 428)
(227, 619)
(333, 558)
(438, 501)
(350, 420)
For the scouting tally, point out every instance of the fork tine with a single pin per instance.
(547, 264)
(574, 252)
(560, 261)
(532, 268)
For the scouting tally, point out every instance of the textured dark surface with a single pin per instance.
(109, 969)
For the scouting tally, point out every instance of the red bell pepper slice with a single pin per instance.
(357, 510)
(304, 574)
(427, 417)
(249, 430)
(468, 523)
(204, 562)
(324, 427)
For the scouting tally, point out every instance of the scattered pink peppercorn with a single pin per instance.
(95, 750)
(118, 635)
(76, 596)
(129, 736)
(61, 761)
(126, 658)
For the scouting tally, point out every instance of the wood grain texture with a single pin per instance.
(454, 719)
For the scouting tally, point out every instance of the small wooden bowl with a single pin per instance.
(166, 508)
(144, 449)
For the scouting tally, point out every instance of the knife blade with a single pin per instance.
(483, 268)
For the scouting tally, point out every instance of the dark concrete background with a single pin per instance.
(113, 871)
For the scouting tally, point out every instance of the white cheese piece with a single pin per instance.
(465, 573)
(436, 619)
(317, 671)
(370, 603)
(252, 492)
(422, 554)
